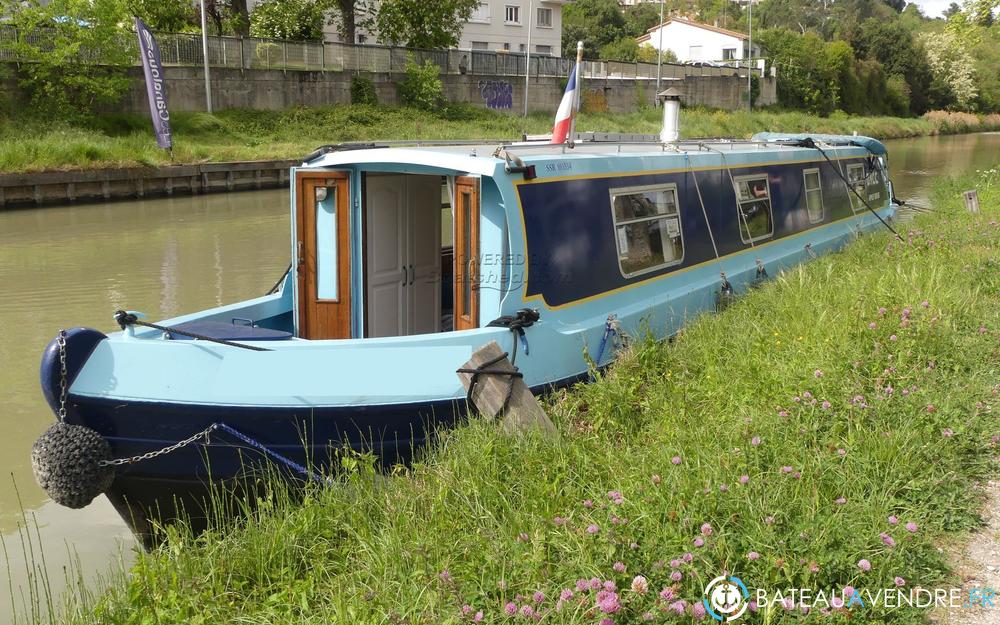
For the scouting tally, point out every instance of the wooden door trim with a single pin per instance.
(466, 319)
(322, 318)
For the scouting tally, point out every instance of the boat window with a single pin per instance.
(647, 228)
(814, 195)
(326, 241)
(856, 177)
(753, 198)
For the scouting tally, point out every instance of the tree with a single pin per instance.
(953, 9)
(76, 54)
(953, 69)
(171, 16)
(423, 23)
(896, 5)
(295, 20)
(594, 22)
(230, 17)
(639, 18)
(894, 47)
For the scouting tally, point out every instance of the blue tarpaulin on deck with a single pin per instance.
(873, 145)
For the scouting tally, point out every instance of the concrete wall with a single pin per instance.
(275, 89)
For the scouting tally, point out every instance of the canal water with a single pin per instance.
(75, 265)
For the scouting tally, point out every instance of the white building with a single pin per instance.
(691, 41)
(504, 25)
(499, 25)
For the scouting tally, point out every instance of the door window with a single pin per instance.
(753, 210)
(327, 267)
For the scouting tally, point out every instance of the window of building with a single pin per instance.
(481, 14)
(694, 53)
(506, 46)
(513, 14)
(728, 54)
(814, 194)
(753, 199)
(480, 45)
(543, 18)
(543, 49)
(647, 228)
(520, 47)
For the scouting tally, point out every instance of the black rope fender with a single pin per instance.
(516, 323)
(126, 319)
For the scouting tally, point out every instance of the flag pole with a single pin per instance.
(579, 91)
(204, 52)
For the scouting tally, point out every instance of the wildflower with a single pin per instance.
(893, 520)
(899, 581)
(595, 584)
(888, 540)
(796, 399)
(567, 594)
(769, 520)
(478, 618)
(872, 325)
(615, 497)
(837, 602)
(911, 527)
(640, 585)
(466, 609)
(826, 405)
(881, 311)
(527, 611)
(892, 337)
(840, 501)
(888, 390)
(753, 555)
(619, 567)
(678, 607)
(610, 585)
(864, 565)
(925, 304)
(848, 591)
(593, 529)
(656, 480)
(947, 432)
(698, 542)
(523, 537)
(813, 567)
(807, 395)
(706, 529)
(841, 452)
(675, 563)
(818, 373)
(782, 413)
(558, 520)
(676, 576)
(698, 611)
(906, 312)
(606, 621)
(588, 504)
(787, 603)
(607, 602)
(983, 330)
(931, 408)
(633, 545)
(755, 441)
(510, 608)
(581, 585)
(647, 616)
(786, 469)
(744, 479)
(667, 593)
(676, 460)
(688, 557)
(445, 576)
(752, 606)
(539, 596)
(723, 488)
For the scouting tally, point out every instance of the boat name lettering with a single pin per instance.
(559, 166)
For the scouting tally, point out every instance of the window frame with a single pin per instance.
(478, 16)
(507, 12)
(739, 213)
(671, 187)
(539, 11)
(860, 182)
(806, 190)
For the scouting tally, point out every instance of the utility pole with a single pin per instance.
(527, 57)
(204, 52)
(659, 55)
(750, 56)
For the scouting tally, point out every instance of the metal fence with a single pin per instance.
(185, 49)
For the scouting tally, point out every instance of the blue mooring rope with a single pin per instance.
(273, 454)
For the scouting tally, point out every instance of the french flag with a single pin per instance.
(567, 109)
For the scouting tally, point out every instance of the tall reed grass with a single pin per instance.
(27, 144)
(828, 430)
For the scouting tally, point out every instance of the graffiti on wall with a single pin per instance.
(497, 94)
(594, 101)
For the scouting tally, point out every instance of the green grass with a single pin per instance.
(27, 144)
(487, 519)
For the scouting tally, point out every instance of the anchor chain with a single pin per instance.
(63, 386)
(149, 455)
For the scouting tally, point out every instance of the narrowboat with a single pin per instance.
(405, 259)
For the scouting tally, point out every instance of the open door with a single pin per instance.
(323, 235)
(466, 253)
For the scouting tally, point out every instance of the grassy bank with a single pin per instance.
(827, 430)
(126, 140)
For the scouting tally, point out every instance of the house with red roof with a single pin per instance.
(694, 42)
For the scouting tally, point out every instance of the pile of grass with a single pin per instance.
(27, 144)
(842, 414)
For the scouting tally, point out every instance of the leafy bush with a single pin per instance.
(421, 88)
(296, 20)
(363, 91)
